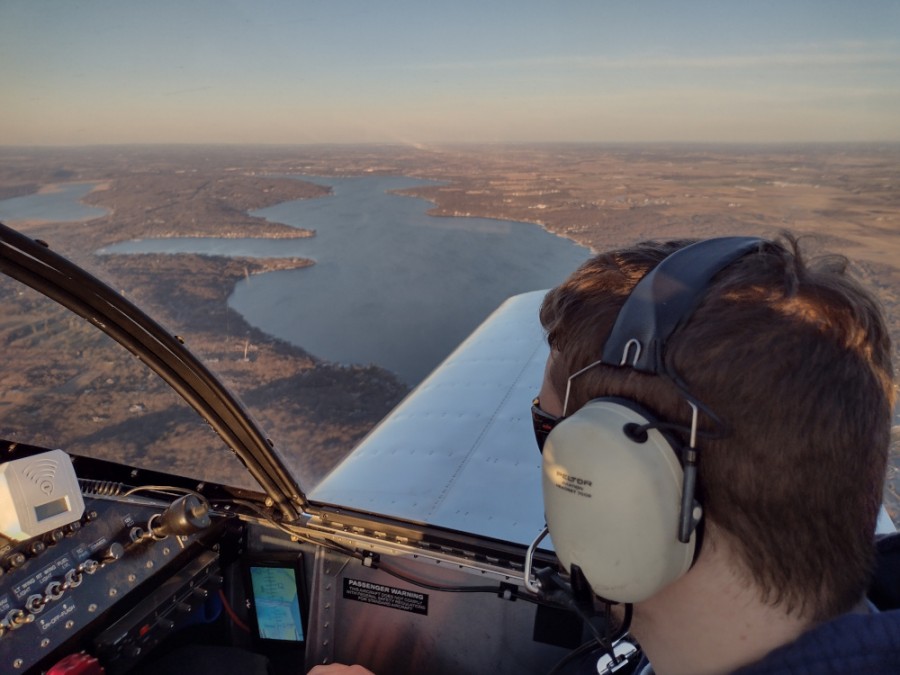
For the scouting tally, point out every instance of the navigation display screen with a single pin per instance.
(277, 603)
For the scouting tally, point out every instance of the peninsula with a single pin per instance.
(844, 199)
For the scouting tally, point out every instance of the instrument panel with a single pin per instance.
(129, 571)
(151, 577)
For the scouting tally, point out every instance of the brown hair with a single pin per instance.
(795, 361)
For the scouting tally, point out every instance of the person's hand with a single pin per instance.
(339, 669)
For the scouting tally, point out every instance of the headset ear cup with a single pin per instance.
(612, 501)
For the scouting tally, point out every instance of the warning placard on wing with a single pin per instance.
(385, 596)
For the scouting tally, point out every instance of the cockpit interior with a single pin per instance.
(416, 554)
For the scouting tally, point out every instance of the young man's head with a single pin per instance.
(794, 360)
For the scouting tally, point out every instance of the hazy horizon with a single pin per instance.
(438, 145)
(281, 72)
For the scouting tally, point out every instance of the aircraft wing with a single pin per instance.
(459, 452)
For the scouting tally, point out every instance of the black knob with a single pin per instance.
(113, 553)
(132, 651)
(54, 536)
(14, 560)
(185, 515)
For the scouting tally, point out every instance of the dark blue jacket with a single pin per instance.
(851, 643)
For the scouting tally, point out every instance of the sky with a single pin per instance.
(385, 71)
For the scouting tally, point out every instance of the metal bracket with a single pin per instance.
(327, 568)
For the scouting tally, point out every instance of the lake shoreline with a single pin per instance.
(600, 196)
(286, 388)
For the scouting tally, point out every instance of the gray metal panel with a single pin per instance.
(459, 452)
(459, 632)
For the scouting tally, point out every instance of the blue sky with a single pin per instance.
(303, 71)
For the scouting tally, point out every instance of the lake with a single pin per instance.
(58, 204)
(391, 285)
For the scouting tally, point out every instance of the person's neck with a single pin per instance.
(710, 621)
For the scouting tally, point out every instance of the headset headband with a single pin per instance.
(658, 305)
(665, 298)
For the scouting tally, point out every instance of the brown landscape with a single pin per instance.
(840, 198)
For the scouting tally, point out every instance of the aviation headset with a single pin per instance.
(618, 491)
